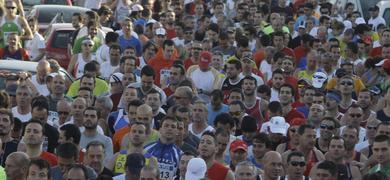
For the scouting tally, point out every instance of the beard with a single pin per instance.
(90, 125)
(249, 93)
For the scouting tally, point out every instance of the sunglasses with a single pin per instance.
(88, 45)
(198, 49)
(355, 115)
(298, 163)
(324, 126)
(346, 83)
(11, 7)
(371, 127)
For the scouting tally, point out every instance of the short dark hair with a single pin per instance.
(90, 67)
(264, 89)
(329, 166)
(148, 70)
(224, 118)
(135, 102)
(7, 112)
(251, 78)
(289, 86)
(94, 143)
(67, 150)
(248, 124)
(236, 63)
(337, 138)
(154, 91)
(168, 42)
(382, 138)
(210, 133)
(275, 107)
(36, 122)
(303, 127)
(40, 102)
(240, 103)
(82, 168)
(41, 164)
(71, 131)
(262, 138)
(111, 37)
(293, 154)
(217, 93)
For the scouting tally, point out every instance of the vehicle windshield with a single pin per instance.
(46, 15)
(36, 2)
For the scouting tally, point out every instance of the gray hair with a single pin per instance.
(105, 101)
(248, 164)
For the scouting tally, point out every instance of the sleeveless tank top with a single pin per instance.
(312, 160)
(217, 171)
(344, 172)
(255, 112)
(79, 66)
(8, 27)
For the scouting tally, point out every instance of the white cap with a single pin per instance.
(87, 41)
(161, 31)
(278, 125)
(137, 7)
(347, 24)
(196, 169)
(319, 79)
(116, 77)
(360, 20)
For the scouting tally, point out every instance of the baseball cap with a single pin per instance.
(238, 144)
(135, 162)
(11, 89)
(161, 31)
(188, 2)
(196, 169)
(278, 125)
(116, 77)
(318, 79)
(360, 20)
(340, 72)
(137, 7)
(373, 8)
(87, 41)
(205, 59)
(384, 63)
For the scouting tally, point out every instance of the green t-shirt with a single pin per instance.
(6, 29)
(383, 169)
(100, 88)
(77, 45)
(268, 30)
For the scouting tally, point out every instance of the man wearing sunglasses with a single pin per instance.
(296, 165)
(353, 117)
(328, 128)
(366, 146)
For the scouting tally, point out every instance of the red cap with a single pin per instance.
(386, 64)
(238, 144)
(297, 122)
(204, 60)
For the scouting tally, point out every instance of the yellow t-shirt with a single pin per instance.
(100, 88)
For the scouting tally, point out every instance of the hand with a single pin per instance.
(23, 75)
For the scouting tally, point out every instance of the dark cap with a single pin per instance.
(340, 73)
(135, 162)
(11, 89)
(374, 8)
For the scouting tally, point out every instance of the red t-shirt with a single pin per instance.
(162, 68)
(49, 157)
(171, 33)
(168, 91)
(259, 56)
(20, 54)
(217, 171)
(376, 52)
(188, 63)
(289, 52)
(300, 52)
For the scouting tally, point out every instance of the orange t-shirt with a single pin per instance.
(162, 68)
(49, 157)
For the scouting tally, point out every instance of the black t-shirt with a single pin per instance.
(381, 116)
(8, 148)
(106, 172)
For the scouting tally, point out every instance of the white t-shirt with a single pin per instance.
(203, 80)
(199, 135)
(22, 117)
(266, 69)
(120, 177)
(376, 21)
(103, 54)
(274, 95)
(41, 88)
(33, 46)
(178, 42)
(82, 128)
(106, 69)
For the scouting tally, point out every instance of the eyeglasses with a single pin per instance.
(346, 83)
(63, 113)
(325, 126)
(88, 45)
(188, 32)
(355, 115)
(371, 127)
(11, 7)
(298, 163)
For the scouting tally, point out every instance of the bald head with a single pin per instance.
(19, 158)
(271, 156)
(16, 165)
(273, 166)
